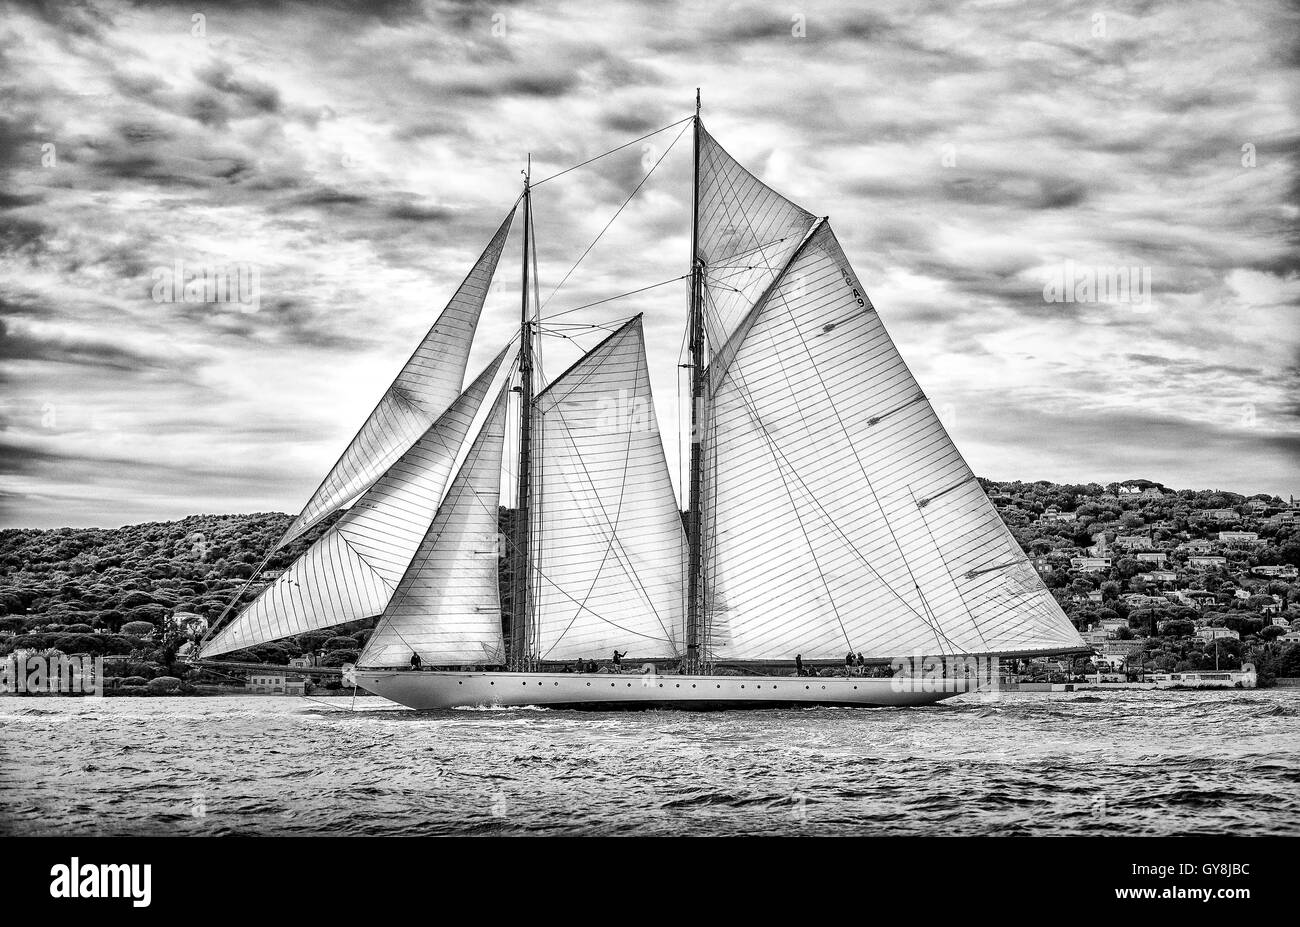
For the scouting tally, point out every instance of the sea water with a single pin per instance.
(1124, 762)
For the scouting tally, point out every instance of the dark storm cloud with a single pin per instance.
(24, 345)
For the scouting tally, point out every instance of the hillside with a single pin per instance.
(1128, 562)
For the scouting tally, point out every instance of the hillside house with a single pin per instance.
(1222, 516)
(1239, 538)
(268, 683)
(1196, 598)
(1090, 564)
(1158, 576)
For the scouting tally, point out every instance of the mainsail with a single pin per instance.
(611, 551)
(351, 571)
(426, 385)
(447, 607)
(840, 516)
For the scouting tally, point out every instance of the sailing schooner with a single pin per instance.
(827, 509)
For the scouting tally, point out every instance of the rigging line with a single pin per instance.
(538, 183)
(611, 324)
(722, 261)
(562, 337)
(722, 286)
(617, 213)
(550, 320)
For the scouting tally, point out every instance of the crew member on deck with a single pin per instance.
(415, 661)
(618, 666)
(798, 664)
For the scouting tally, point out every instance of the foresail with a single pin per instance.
(447, 606)
(840, 516)
(747, 232)
(426, 385)
(610, 548)
(351, 571)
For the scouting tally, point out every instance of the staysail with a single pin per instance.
(351, 571)
(447, 606)
(611, 550)
(425, 386)
(840, 516)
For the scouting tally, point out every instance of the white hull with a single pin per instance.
(428, 690)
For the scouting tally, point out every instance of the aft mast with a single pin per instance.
(694, 584)
(519, 600)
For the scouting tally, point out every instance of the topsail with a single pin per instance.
(747, 232)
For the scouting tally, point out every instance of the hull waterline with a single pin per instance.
(431, 690)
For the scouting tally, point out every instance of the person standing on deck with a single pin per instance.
(618, 665)
(798, 664)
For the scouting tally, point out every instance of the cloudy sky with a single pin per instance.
(358, 160)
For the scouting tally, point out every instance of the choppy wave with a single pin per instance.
(1129, 762)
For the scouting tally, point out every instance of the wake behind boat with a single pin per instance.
(826, 510)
